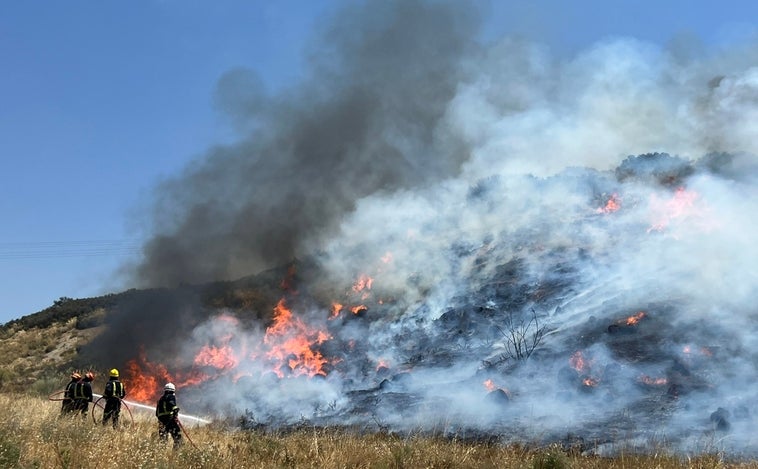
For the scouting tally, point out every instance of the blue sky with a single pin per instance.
(101, 100)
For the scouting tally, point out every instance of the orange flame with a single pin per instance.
(490, 385)
(612, 205)
(681, 205)
(145, 386)
(582, 365)
(336, 308)
(634, 319)
(290, 347)
(144, 380)
(363, 285)
(291, 340)
(363, 282)
(217, 357)
(577, 361)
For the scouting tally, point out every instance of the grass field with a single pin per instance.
(33, 435)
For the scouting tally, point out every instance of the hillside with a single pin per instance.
(590, 326)
(39, 356)
(39, 350)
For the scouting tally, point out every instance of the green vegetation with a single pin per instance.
(63, 310)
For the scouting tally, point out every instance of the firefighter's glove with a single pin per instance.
(176, 412)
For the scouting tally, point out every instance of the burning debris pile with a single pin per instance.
(523, 337)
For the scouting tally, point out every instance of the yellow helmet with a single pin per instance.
(114, 373)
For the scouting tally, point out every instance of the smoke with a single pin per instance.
(367, 119)
(489, 193)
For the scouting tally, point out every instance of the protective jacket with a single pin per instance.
(68, 396)
(82, 395)
(113, 393)
(167, 412)
(166, 408)
(114, 389)
(83, 391)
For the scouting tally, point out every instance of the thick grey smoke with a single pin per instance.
(487, 190)
(369, 117)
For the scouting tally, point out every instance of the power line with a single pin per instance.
(67, 249)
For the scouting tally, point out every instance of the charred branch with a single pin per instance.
(522, 337)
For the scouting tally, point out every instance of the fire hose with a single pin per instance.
(57, 396)
(54, 396)
(97, 404)
(179, 422)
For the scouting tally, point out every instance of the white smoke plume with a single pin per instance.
(605, 200)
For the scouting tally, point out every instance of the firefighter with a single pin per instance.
(67, 406)
(168, 416)
(113, 393)
(83, 394)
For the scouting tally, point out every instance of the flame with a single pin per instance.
(490, 385)
(220, 355)
(290, 347)
(382, 365)
(363, 285)
(291, 342)
(145, 380)
(612, 205)
(145, 385)
(682, 205)
(577, 361)
(590, 381)
(336, 308)
(705, 351)
(363, 282)
(217, 357)
(634, 319)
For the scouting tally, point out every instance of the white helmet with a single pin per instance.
(169, 387)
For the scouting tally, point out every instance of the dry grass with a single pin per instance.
(32, 435)
(35, 357)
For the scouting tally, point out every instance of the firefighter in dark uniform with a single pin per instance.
(168, 416)
(83, 394)
(113, 393)
(67, 406)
